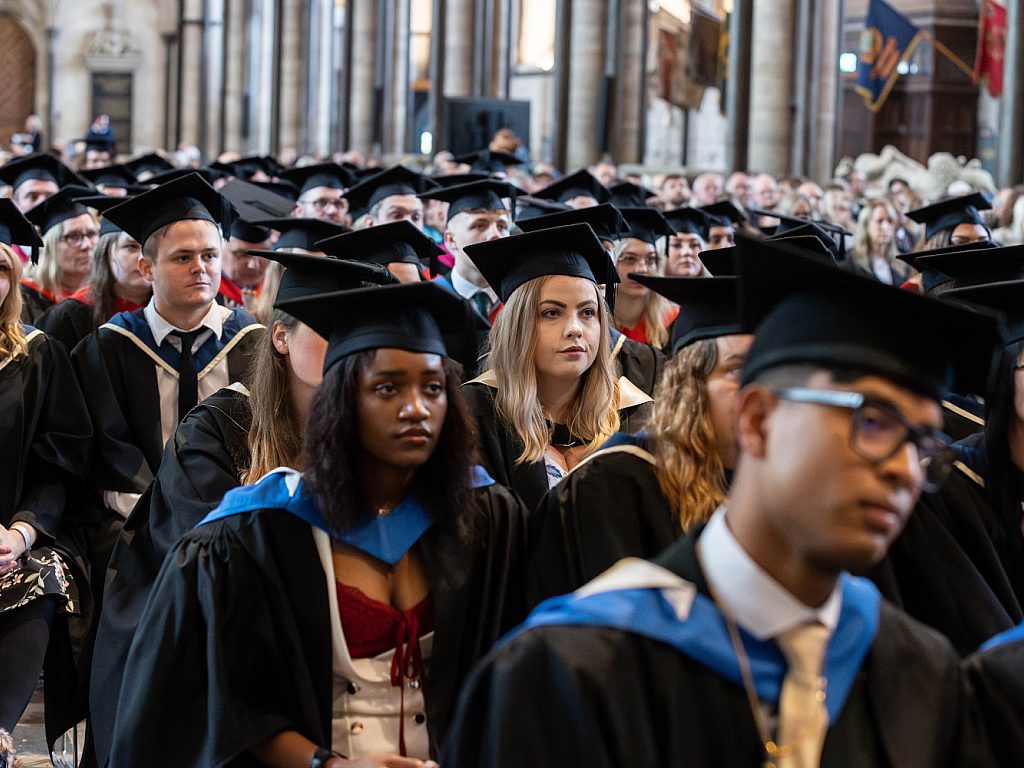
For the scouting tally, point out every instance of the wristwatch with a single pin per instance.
(321, 756)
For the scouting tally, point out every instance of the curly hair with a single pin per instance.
(331, 447)
(689, 469)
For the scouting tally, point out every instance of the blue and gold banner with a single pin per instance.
(888, 39)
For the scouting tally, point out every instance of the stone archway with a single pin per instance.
(18, 85)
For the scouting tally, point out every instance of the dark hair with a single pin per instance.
(798, 374)
(331, 447)
(1000, 416)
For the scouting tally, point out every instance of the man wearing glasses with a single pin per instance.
(748, 642)
(321, 192)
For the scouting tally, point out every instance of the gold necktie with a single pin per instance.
(803, 718)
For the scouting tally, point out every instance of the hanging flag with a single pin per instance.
(988, 62)
(888, 39)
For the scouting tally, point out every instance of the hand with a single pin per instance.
(12, 547)
(380, 761)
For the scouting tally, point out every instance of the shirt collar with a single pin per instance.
(759, 604)
(213, 320)
(468, 290)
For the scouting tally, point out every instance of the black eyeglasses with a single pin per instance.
(878, 430)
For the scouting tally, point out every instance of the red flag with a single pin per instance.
(988, 61)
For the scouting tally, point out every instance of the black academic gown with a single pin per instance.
(235, 643)
(640, 363)
(607, 508)
(996, 681)
(603, 697)
(206, 459)
(500, 445)
(33, 304)
(69, 322)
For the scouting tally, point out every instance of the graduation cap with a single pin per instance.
(626, 194)
(819, 248)
(582, 182)
(246, 167)
(726, 211)
(111, 176)
(151, 164)
(488, 161)
(396, 180)
(42, 166)
(320, 175)
(454, 179)
(530, 207)
(15, 229)
(254, 202)
(574, 250)
(247, 231)
(58, 208)
(282, 188)
(302, 233)
(188, 197)
(605, 219)
(397, 241)
(975, 267)
(415, 317)
(98, 142)
(720, 262)
(806, 312)
(487, 195)
(209, 175)
(708, 307)
(931, 278)
(692, 221)
(306, 275)
(646, 224)
(1006, 297)
(947, 214)
(793, 226)
(103, 203)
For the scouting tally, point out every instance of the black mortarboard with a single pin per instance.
(604, 219)
(931, 278)
(102, 203)
(186, 198)
(253, 202)
(806, 312)
(302, 233)
(306, 275)
(984, 265)
(726, 210)
(247, 167)
(574, 250)
(708, 307)
(947, 214)
(320, 175)
(397, 241)
(691, 221)
(488, 160)
(720, 262)
(59, 207)
(833, 236)
(111, 176)
(98, 142)
(1006, 296)
(819, 247)
(415, 317)
(487, 195)
(454, 179)
(646, 224)
(247, 231)
(151, 163)
(282, 188)
(529, 207)
(396, 180)
(582, 182)
(209, 175)
(626, 194)
(15, 229)
(39, 166)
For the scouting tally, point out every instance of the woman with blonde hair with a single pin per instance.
(638, 493)
(641, 314)
(874, 242)
(43, 454)
(550, 396)
(65, 260)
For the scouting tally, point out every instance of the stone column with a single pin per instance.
(586, 57)
(629, 120)
(771, 87)
(191, 56)
(825, 92)
(234, 76)
(294, 53)
(460, 22)
(364, 54)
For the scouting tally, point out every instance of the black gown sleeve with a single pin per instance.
(641, 364)
(69, 322)
(996, 682)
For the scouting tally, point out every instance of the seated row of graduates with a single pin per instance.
(432, 544)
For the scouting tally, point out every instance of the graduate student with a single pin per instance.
(234, 436)
(241, 278)
(640, 314)
(689, 237)
(954, 221)
(399, 246)
(747, 642)
(550, 395)
(322, 191)
(389, 196)
(580, 189)
(338, 609)
(143, 371)
(35, 177)
(43, 453)
(639, 493)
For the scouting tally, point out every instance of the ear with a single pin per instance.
(756, 405)
(146, 267)
(449, 241)
(279, 337)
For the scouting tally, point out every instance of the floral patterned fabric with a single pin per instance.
(42, 572)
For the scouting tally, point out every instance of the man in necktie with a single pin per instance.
(748, 642)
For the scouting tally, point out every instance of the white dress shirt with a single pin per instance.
(468, 290)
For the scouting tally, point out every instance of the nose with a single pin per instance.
(573, 329)
(414, 409)
(904, 468)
